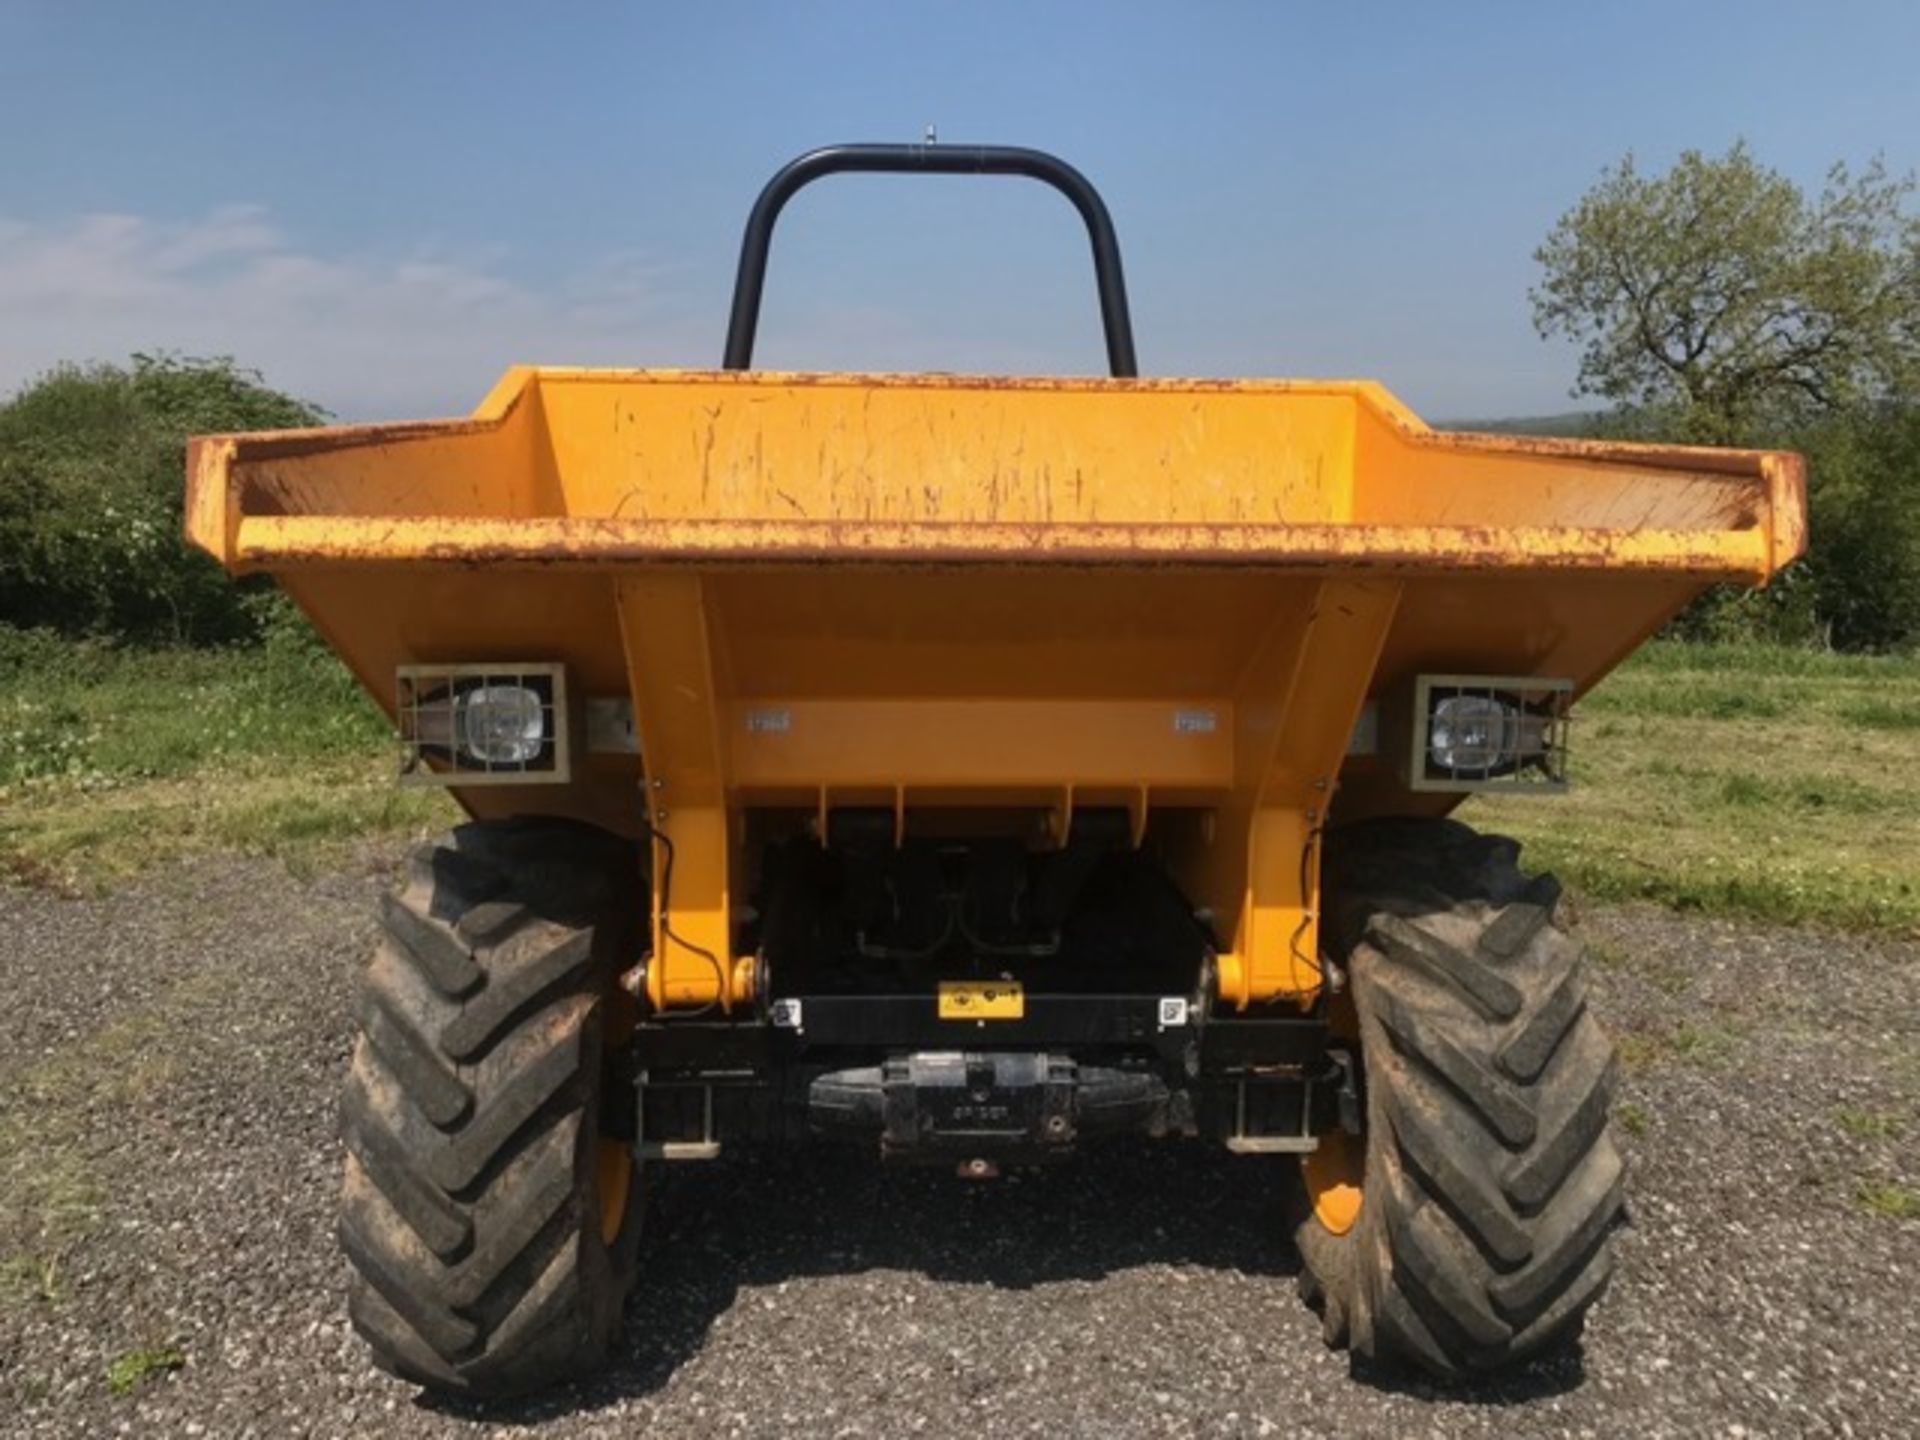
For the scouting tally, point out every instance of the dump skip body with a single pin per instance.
(935, 593)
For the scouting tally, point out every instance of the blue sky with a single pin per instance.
(383, 205)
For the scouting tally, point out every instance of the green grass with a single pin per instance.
(1868, 1124)
(93, 714)
(1750, 780)
(112, 760)
(130, 1371)
(1888, 1200)
(24, 1277)
(1881, 715)
(1707, 1046)
(1638, 1050)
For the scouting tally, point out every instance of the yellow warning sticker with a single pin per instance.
(982, 1000)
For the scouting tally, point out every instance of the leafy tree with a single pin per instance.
(1863, 565)
(1720, 298)
(91, 489)
(1718, 303)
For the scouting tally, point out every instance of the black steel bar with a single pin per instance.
(1231, 1044)
(930, 160)
(911, 1022)
(896, 1023)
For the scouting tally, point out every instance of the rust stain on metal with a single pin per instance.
(267, 541)
(456, 492)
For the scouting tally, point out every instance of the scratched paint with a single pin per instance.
(726, 468)
(985, 594)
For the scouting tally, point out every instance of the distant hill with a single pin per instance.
(1571, 422)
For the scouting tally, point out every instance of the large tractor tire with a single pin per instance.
(1468, 1228)
(492, 1226)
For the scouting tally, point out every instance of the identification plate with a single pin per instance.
(982, 1000)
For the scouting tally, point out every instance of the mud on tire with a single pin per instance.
(1491, 1182)
(486, 1257)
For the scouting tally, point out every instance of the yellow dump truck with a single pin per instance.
(970, 769)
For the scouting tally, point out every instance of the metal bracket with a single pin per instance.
(1304, 1143)
(705, 1148)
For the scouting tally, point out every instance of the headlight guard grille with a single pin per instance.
(1524, 750)
(428, 714)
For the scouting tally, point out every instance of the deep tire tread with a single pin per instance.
(547, 972)
(1538, 1174)
(1428, 1046)
(1492, 1184)
(428, 1080)
(494, 1125)
(1408, 944)
(470, 1211)
(1533, 1044)
(395, 1172)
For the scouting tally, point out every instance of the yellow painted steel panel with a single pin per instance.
(985, 604)
(725, 468)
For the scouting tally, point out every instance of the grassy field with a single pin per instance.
(1783, 784)
(1778, 783)
(114, 760)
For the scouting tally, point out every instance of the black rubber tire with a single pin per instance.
(1491, 1182)
(471, 1208)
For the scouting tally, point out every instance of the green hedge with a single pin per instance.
(91, 485)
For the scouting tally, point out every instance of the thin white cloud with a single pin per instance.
(366, 335)
(426, 331)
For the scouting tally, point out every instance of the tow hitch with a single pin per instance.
(951, 1106)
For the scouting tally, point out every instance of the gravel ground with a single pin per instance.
(168, 1064)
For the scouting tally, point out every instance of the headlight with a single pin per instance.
(467, 724)
(1481, 735)
(1488, 732)
(502, 724)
